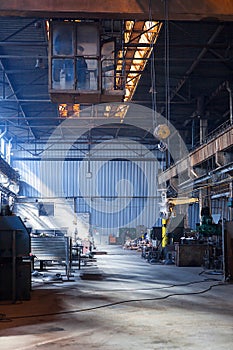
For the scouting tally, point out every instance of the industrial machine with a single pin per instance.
(15, 264)
(211, 234)
(208, 228)
(202, 247)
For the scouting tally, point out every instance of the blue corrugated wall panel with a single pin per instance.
(116, 193)
(193, 215)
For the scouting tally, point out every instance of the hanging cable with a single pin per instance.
(123, 77)
(153, 77)
(167, 68)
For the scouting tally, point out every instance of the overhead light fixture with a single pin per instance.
(68, 110)
(162, 131)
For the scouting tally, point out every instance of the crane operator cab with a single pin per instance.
(81, 70)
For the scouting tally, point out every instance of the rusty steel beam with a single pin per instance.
(120, 9)
(198, 156)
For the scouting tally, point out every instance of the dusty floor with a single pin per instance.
(122, 302)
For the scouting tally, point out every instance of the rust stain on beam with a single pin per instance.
(200, 155)
(220, 143)
(120, 9)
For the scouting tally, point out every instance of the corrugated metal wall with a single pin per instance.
(193, 215)
(115, 193)
(219, 206)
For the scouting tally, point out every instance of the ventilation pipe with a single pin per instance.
(230, 101)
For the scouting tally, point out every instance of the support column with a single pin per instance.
(203, 130)
(164, 233)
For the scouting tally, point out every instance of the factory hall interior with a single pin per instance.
(116, 174)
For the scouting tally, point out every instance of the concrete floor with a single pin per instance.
(122, 302)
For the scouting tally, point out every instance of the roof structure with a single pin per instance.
(188, 78)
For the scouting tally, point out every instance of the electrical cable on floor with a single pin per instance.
(211, 272)
(112, 304)
(156, 288)
(142, 289)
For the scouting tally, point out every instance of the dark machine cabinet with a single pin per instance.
(190, 254)
(22, 283)
(15, 265)
(229, 249)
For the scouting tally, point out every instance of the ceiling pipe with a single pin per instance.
(224, 169)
